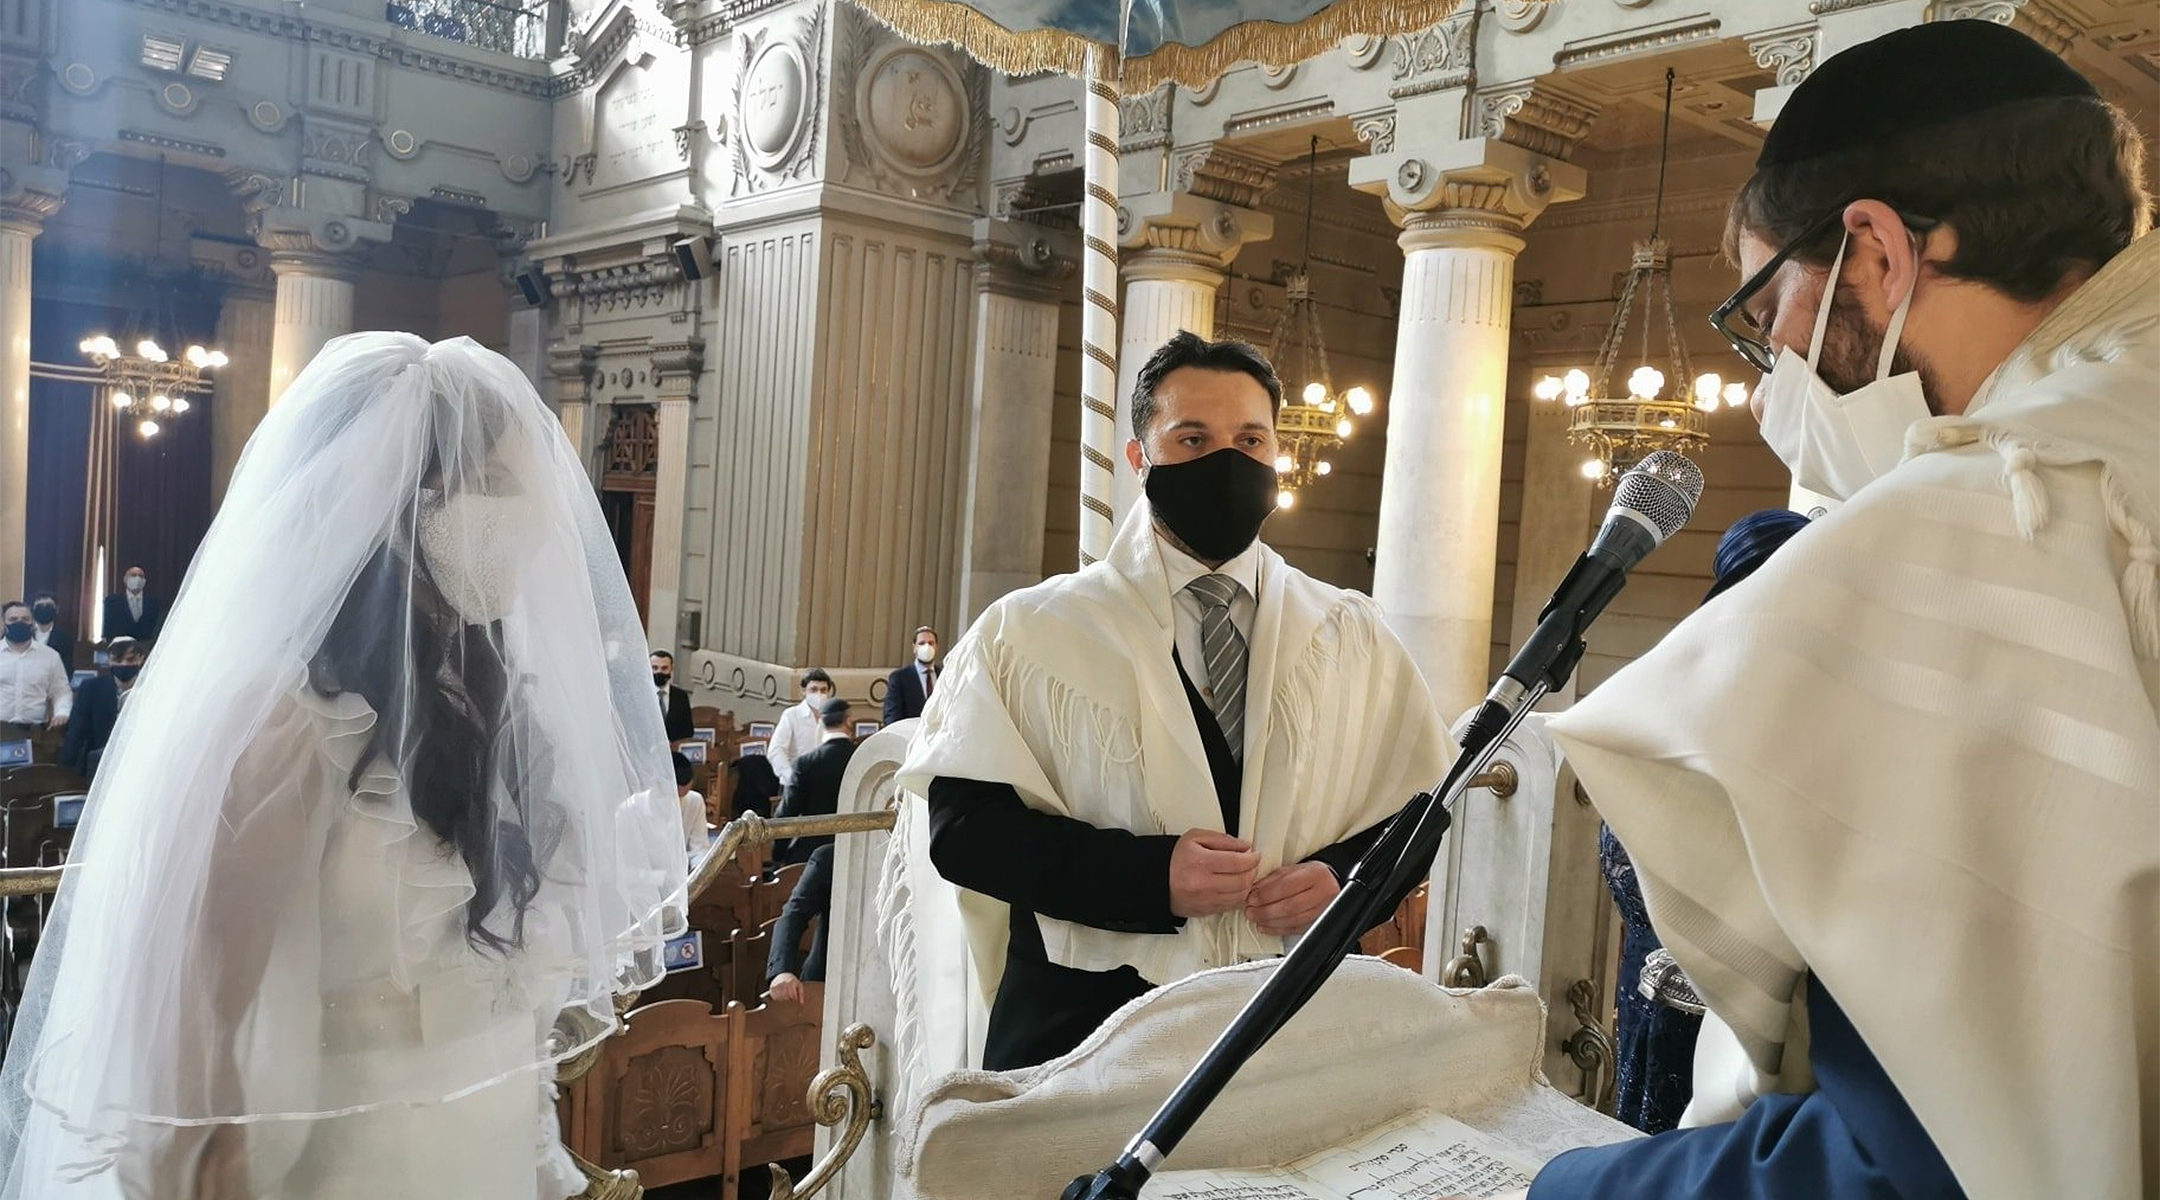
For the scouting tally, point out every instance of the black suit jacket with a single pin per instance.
(810, 901)
(904, 696)
(97, 710)
(119, 622)
(63, 644)
(983, 837)
(816, 792)
(677, 714)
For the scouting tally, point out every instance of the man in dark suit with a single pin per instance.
(786, 968)
(97, 709)
(45, 613)
(674, 702)
(817, 778)
(908, 688)
(133, 612)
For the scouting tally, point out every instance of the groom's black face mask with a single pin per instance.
(1214, 504)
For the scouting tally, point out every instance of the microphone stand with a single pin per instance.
(1411, 838)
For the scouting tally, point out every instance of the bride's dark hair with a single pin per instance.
(440, 690)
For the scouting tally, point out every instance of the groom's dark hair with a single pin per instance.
(1189, 349)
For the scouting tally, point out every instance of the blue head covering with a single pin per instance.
(1749, 544)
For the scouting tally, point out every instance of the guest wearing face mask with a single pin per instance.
(674, 702)
(1169, 760)
(908, 689)
(797, 731)
(35, 698)
(45, 614)
(97, 708)
(133, 612)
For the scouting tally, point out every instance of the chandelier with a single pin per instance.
(1661, 408)
(1315, 419)
(150, 386)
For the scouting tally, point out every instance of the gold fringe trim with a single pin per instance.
(1275, 44)
(1268, 42)
(989, 43)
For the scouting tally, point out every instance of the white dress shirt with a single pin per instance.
(33, 684)
(794, 735)
(1182, 569)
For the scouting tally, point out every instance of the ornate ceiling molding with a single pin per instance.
(1439, 57)
(1534, 116)
(1216, 172)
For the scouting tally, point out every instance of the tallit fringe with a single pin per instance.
(1297, 697)
(2022, 459)
(895, 904)
(1064, 708)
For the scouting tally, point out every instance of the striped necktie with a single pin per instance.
(1224, 649)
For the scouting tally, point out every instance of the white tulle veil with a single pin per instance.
(411, 558)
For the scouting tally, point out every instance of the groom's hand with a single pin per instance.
(1291, 898)
(1210, 872)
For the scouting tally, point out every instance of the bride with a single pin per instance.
(393, 795)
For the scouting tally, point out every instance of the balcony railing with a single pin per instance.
(514, 27)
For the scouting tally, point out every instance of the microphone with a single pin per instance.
(1653, 500)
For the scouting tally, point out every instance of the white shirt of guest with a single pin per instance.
(1181, 569)
(794, 735)
(693, 821)
(33, 684)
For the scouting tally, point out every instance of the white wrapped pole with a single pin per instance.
(1099, 314)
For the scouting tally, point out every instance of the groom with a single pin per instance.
(1170, 760)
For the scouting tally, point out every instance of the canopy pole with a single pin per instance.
(1099, 313)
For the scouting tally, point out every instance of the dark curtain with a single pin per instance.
(164, 503)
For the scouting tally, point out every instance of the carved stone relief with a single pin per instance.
(1537, 119)
(908, 116)
(777, 90)
(1434, 58)
(1521, 16)
(1376, 131)
(1789, 56)
(1144, 120)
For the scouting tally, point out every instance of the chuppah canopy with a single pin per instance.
(1122, 46)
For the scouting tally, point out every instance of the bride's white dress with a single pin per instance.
(405, 1005)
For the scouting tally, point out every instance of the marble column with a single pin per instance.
(1019, 276)
(1462, 207)
(676, 369)
(21, 217)
(526, 341)
(247, 322)
(570, 369)
(1177, 252)
(314, 304)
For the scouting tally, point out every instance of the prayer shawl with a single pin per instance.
(1066, 690)
(1916, 755)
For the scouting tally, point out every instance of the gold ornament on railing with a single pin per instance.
(1664, 407)
(1315, 419)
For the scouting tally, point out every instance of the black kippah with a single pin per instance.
(1912, 78)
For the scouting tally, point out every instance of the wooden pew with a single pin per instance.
(691, 1093)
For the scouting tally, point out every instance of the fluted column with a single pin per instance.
(314, 304)
(676, 368)
(1462, 207)
(247, 323)
(1178, 250)
(1019, 275)
(570, 368)
(21, 217)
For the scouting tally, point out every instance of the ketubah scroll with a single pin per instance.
(1386, 1087)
